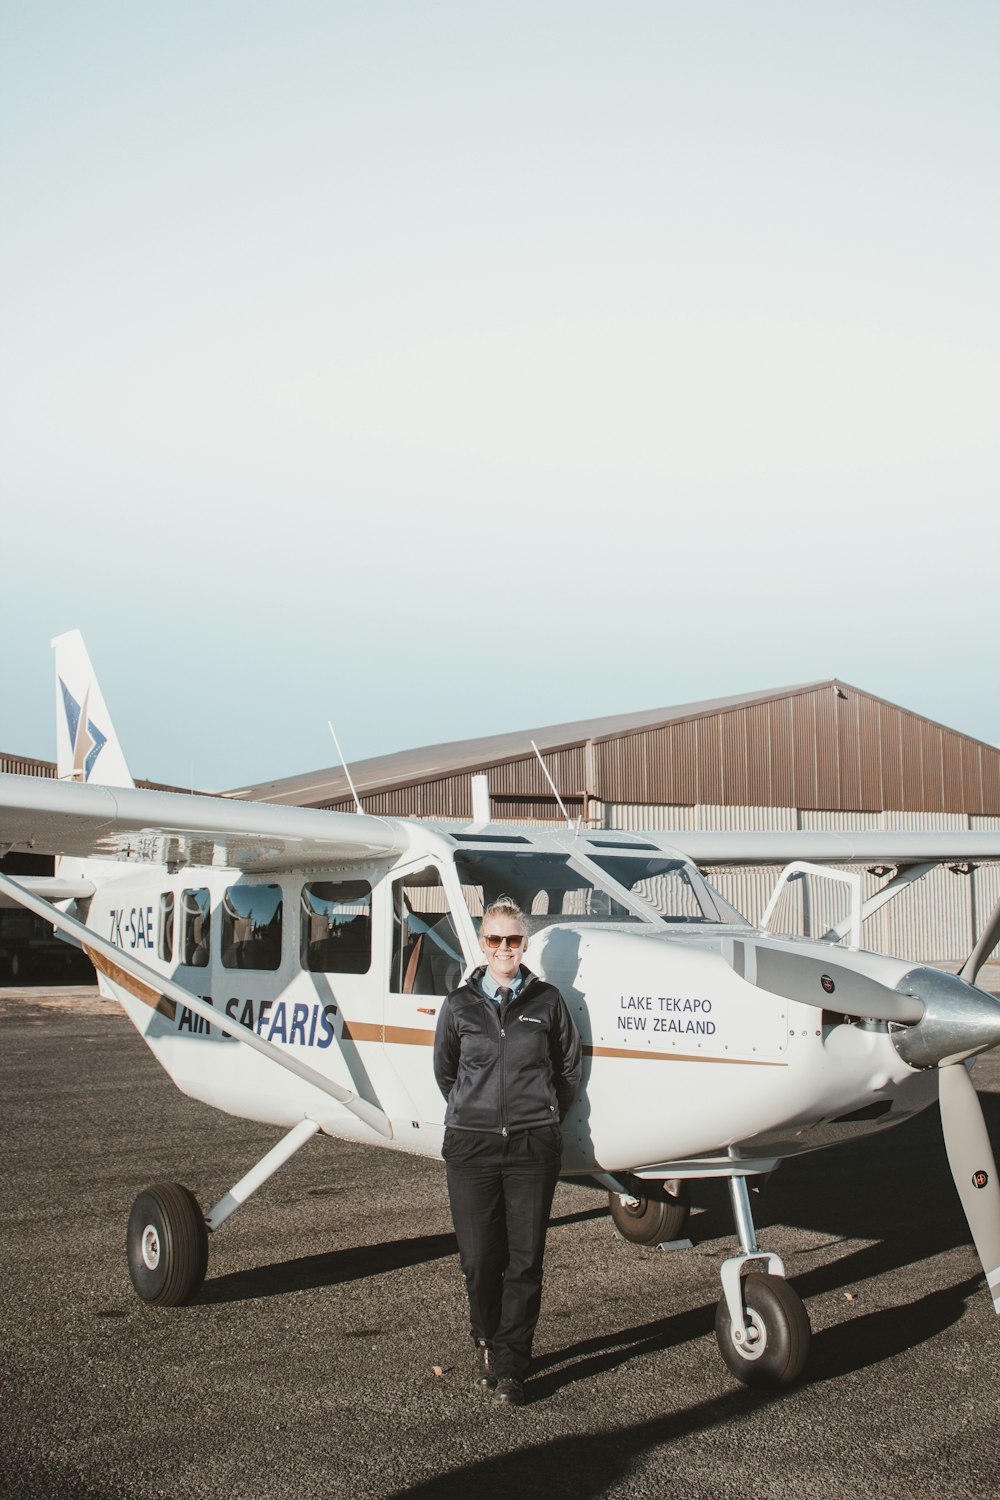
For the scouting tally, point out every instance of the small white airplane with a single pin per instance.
(287, 964)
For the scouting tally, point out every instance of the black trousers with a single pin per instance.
(501, 1190)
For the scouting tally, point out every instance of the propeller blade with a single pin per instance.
(970, 1157)
(988, 939)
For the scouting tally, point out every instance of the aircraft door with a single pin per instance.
(426, 964)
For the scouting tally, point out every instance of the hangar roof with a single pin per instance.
(820, 744)
(384, 772)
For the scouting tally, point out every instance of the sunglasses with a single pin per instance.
(494, 940)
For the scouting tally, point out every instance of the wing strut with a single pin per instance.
(138, 977)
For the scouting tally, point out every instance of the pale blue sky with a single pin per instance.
(450, 368)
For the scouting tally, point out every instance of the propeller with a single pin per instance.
(960, 1020)
(970, 1157)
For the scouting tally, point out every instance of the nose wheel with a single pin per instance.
(772, 1347)
(761, 1326)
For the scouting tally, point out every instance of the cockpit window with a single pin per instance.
(548, 888)
(664, 884)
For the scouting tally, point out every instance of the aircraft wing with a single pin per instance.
(708, 847)
(128, 823)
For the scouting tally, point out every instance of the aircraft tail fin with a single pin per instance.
(87, 747)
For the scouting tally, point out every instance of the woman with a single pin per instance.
(507, 1059)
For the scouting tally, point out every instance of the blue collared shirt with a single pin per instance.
(491, 987)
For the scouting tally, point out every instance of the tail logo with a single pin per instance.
(85, 737)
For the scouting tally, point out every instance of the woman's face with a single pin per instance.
(504, 960)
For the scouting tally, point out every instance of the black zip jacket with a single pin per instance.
(509, 1070)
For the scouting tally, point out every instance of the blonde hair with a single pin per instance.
(505, 906)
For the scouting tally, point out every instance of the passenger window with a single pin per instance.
(165, 937)
(251, 927)
(335, 934)
(426, 953)
(196, 913)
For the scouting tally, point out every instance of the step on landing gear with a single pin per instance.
(761, 1326)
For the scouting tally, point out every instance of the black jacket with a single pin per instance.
(509, 1070)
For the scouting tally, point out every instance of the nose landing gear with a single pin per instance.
(761, 1326)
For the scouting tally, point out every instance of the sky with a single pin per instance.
(447, 368)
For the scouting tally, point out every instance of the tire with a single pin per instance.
(775, 1314)
(167, 1244)
(659, 1217)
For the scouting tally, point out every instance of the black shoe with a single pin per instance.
(485, 1378)
(509, 1392)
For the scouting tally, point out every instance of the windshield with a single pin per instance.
(664, 884)
(547, 887)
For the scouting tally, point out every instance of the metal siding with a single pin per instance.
(643, 815)
(934, 771)
(733, 745)
(889, 757)
(911, 764)
(827, 759)
(869, 754)
(952, 768)
(804, 741)
(985, 880)
(972, 781)
(25, 765)
(680, 781)
(848, 752)
(990, 760)
(782, 753)
(711, 784)
(757, 740)
(747, 817)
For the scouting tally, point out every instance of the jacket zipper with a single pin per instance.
(502, 1065)
(503, 1074)
(501, 1015)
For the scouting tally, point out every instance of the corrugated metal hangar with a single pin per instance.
(823, 755)
(820, 755)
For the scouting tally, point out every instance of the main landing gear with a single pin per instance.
(167, 1239)
(650, 1213)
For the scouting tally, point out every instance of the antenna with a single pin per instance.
(548, 778)
(343, 762)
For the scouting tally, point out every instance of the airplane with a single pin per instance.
(287, 964)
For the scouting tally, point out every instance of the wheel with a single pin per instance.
(167, 1245)
(778, 1328)
(657, 1215)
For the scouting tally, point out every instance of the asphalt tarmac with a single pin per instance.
(308, 1366)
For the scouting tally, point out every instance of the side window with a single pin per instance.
(426, 954)
(196, 924)
(335, 934)
(251, 927)
(165, 939)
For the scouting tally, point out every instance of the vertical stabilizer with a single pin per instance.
(87, 747)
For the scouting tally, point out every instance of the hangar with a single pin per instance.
(820, 755)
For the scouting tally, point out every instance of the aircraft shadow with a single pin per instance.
(588, 1465)
(335, 1267)
(332, 1268)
